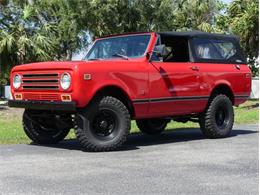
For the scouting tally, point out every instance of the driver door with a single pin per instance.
(174, 83)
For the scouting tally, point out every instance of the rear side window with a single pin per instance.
(224, 51)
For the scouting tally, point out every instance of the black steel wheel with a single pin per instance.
(152, 126)
(221, 117)
(217, 121)
(103, 125)
(46, 128)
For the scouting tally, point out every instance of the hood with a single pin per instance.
(73, 65)
(53, 65)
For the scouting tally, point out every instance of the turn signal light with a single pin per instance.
(18, 96)
(66, 98)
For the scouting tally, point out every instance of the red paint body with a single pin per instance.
(141, 79)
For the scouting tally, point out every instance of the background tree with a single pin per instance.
(118, 16)
(32, 31)
(243, 19)
(20, 41)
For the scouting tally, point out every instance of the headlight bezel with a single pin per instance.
(16, 84)
(62, 84)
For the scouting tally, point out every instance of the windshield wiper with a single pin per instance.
(121, 56)
(91, 59)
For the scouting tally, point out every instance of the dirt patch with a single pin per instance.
(249, 107)
(7, 113)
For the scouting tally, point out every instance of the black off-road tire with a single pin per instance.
(38, 134)
(90, 134)
(218, 119)
(152, 126)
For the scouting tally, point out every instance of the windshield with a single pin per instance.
(131, 46)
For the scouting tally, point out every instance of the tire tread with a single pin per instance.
(205, 120)
(83, 138)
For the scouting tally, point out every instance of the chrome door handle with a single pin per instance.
(237, 66)
(194, 68)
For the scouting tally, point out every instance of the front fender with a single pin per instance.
(88, 94)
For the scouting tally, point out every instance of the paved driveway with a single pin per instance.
(179, 162)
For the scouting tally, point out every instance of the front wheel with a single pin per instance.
(103, 125)
(152, 126)
(217, 121)
(46, 128)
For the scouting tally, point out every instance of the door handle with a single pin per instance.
(237, 66)
(194, 68)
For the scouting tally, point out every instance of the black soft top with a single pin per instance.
(191, 36)
(199, 34)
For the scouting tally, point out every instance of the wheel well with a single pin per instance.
(119, 94)
(223, 89)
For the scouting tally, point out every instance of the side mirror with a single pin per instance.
(160, 50)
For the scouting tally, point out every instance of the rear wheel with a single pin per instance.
(104, 125)
(46, 128)
(217, 121)
(152, 126)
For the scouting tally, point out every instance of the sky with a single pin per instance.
(227, 1)
(80, 55)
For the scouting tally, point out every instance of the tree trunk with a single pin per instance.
(69, 55)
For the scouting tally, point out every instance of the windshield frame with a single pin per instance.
(118, 36)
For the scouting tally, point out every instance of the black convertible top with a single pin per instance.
(207, 45)
(199, 34)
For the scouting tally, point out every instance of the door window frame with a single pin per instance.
(191, 56)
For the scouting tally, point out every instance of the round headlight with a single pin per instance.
(17, 81)
(65, 81)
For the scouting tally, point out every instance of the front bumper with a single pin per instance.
(43, 105)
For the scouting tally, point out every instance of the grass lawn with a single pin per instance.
(11, 131)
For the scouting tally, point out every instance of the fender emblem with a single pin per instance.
(87, 76)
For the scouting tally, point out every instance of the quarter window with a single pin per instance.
(210, 49)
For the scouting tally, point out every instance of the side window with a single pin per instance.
(177, 49)
(226, 49)
(219, 50)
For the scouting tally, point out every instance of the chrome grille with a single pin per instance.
(40, 75)
(40, 81)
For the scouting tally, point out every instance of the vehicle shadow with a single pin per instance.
(137, 140)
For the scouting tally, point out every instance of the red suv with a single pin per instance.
(152, 78)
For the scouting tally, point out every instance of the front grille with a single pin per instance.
(40, 75)
(40, 81)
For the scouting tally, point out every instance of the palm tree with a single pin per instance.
(23, 46)
(19, 42)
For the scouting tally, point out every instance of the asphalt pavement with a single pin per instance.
(177, 162)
